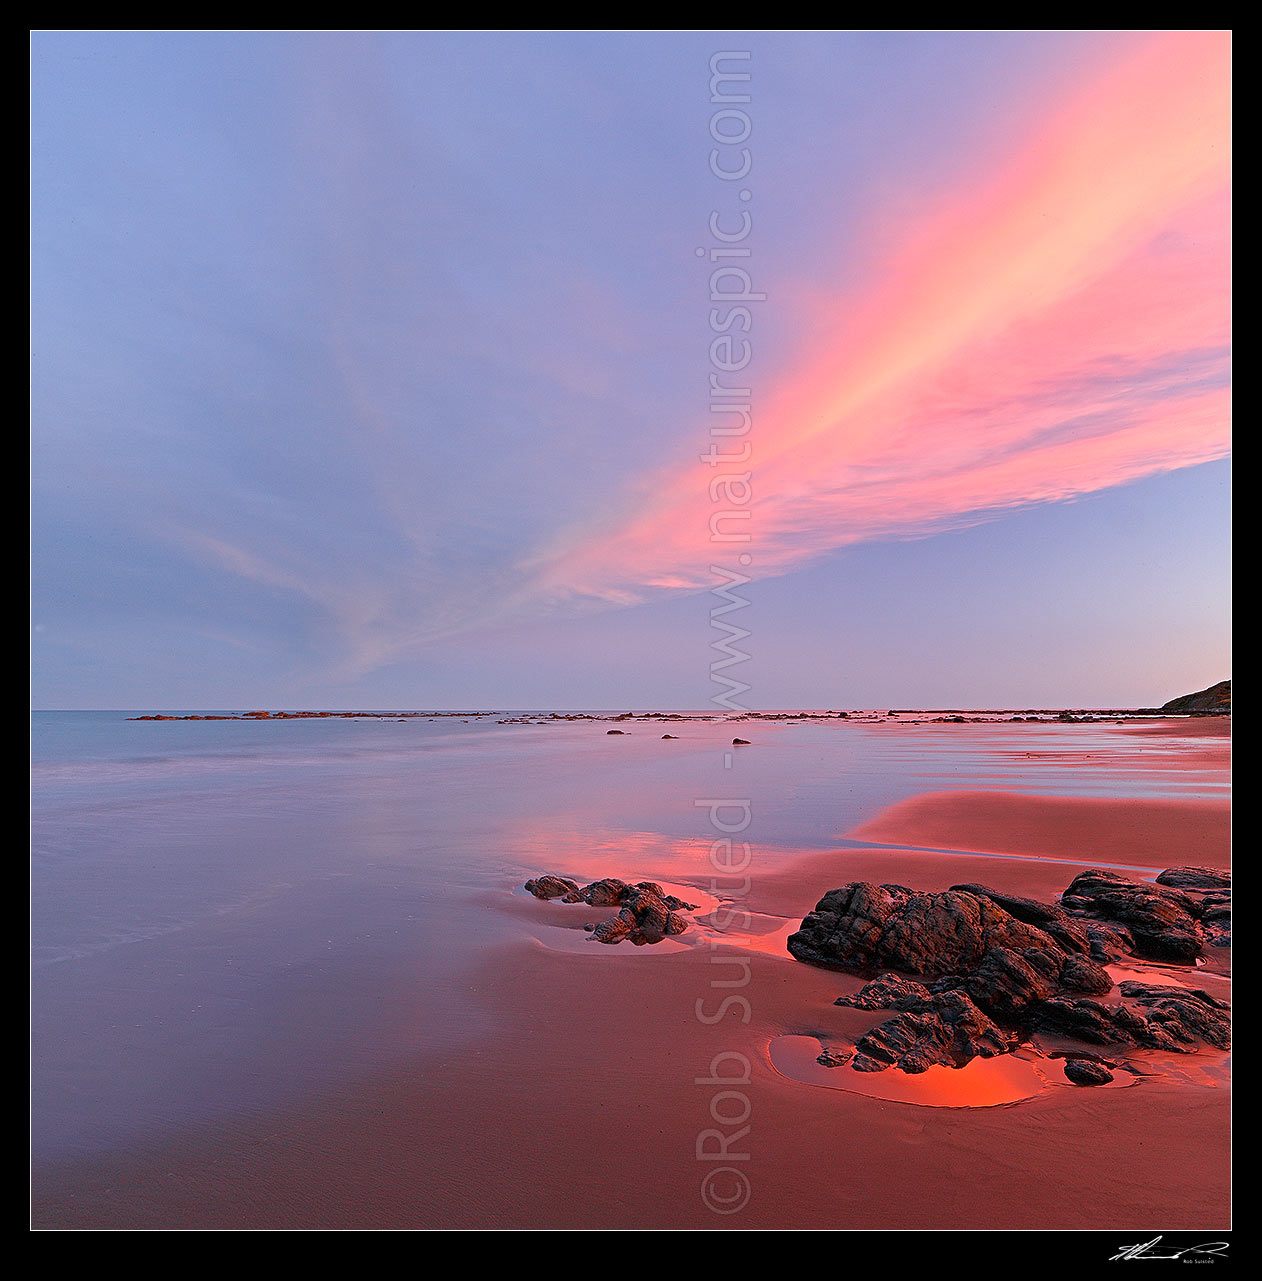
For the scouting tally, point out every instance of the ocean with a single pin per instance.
(231, 916)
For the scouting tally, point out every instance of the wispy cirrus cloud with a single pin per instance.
(1051, 328)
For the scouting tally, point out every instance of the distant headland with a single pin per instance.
(1214, 701)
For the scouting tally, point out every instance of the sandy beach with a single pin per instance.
(631, 630)
(634, 1087)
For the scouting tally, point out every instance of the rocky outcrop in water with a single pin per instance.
(647, 914)
(989, 968)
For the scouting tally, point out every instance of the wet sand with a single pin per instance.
(595, 1101)
(1084, 830)
(584, 1113)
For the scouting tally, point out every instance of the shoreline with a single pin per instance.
(496, 1137)
(1139, 716)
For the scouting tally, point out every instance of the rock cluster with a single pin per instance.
(647, 914)
(997, 967)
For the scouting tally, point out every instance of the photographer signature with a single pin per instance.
(1151, 1250)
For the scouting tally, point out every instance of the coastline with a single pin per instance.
(496, 1136)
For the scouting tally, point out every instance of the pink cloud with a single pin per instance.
(1050, 329)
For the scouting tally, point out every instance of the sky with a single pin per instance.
(629, 370)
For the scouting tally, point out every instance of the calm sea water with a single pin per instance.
(229, 914)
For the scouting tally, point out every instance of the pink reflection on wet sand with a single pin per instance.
(982, 1083)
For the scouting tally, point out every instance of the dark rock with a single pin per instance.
(1167, 1018)
(1046, 961)
(549, 887)
(609, 892)
(1109, 941)
(1195, 878)
(648, 914)
(835, 1058)
(1187, 1015)
(1086, 1020)
(862, 1063)
(912, 1042)
(888, 992)
(615, 928)
(1161, 921)
(1082, 975)
(1029, 910)
(1087, 1072)
(615, 731)
(1070, 934)
(612, 892)
(986, 966)
(670, 735)
(740, 742)
(864, 926)
(1004, 982)
(949, 1031)
(1216, 918)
